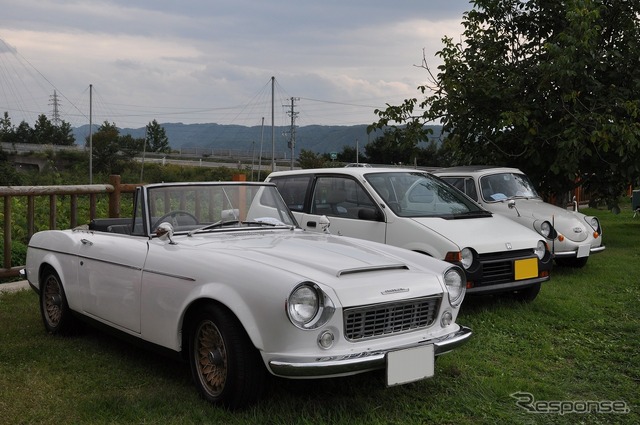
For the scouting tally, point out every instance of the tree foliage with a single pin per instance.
(43, 132)
(309, 159)
(156, 138)
(111, 152)
(551, 87)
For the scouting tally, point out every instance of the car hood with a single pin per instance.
(484, 234)
(571, 224)
(347, 265)
(330, 254)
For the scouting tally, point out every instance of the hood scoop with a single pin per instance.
(372, 269)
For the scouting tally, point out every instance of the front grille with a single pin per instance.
(497, 272)
(378, 320)
(497, 268)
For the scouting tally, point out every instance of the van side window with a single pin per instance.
(342, 197)
(293, 190)
(470, 189)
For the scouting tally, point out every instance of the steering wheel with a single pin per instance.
(173, 215)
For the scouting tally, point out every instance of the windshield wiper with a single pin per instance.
(213, 226)
(473, 214)
(261, 223)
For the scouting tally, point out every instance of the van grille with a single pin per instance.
(497, 268)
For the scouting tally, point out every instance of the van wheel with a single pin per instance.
(527, 294)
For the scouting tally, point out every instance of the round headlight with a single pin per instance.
(303, 305)
(467, 258)
(595, 223)
(456, 284)
(541, 249)
(545, 229)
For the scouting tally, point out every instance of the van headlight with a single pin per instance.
(466, 258)
(456, 283)
(308, 307)
(541, 250)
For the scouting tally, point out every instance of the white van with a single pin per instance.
(415, 210)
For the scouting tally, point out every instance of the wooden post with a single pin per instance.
(114, 197)
(7, 232)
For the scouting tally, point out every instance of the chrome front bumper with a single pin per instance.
(573, 254)
(360, 362)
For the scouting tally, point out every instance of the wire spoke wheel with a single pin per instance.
(52, 300)
(226, 367)
(55, 312)
(211, 358)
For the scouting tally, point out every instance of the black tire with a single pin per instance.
(56, 315)
(226, 368)
(577, 263)
(527, 294)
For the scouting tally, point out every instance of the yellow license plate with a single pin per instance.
(526, 269)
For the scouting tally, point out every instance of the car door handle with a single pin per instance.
(311, 224)
(86, 242)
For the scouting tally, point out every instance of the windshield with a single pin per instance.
(418, 194)
(503, 186)
(195, 206)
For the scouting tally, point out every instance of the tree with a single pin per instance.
(43, 131)
(64, 134)
(550, 87)
(393, 147)
(111, 152)
(157, 140)
(23, 133)
(309, 159)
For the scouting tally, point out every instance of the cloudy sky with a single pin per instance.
(211, 61)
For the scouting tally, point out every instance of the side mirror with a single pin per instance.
(324, 223)
(164, 232)
(512, 206)
(369, 214)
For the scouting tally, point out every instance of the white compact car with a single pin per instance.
(414, 210)
(572, 236)
(221, 274)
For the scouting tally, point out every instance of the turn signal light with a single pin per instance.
(595, 235)
(560, 238)
(453, 256)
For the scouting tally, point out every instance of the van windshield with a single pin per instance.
(419, 194)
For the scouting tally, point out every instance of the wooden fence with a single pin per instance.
(113, 190)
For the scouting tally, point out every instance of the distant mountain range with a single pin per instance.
(315, 138)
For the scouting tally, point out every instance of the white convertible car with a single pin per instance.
(572, 236)
(221, 274)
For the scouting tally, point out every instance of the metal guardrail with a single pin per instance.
(113, 190)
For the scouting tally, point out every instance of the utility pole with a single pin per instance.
(292, 131)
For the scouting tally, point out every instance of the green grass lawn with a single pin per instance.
(578, 341)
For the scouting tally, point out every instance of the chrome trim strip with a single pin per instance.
(175, 276)
(360, 362)
(373, 269)
(113, 263)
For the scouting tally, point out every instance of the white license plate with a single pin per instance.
(412, 364)
(583, 251)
